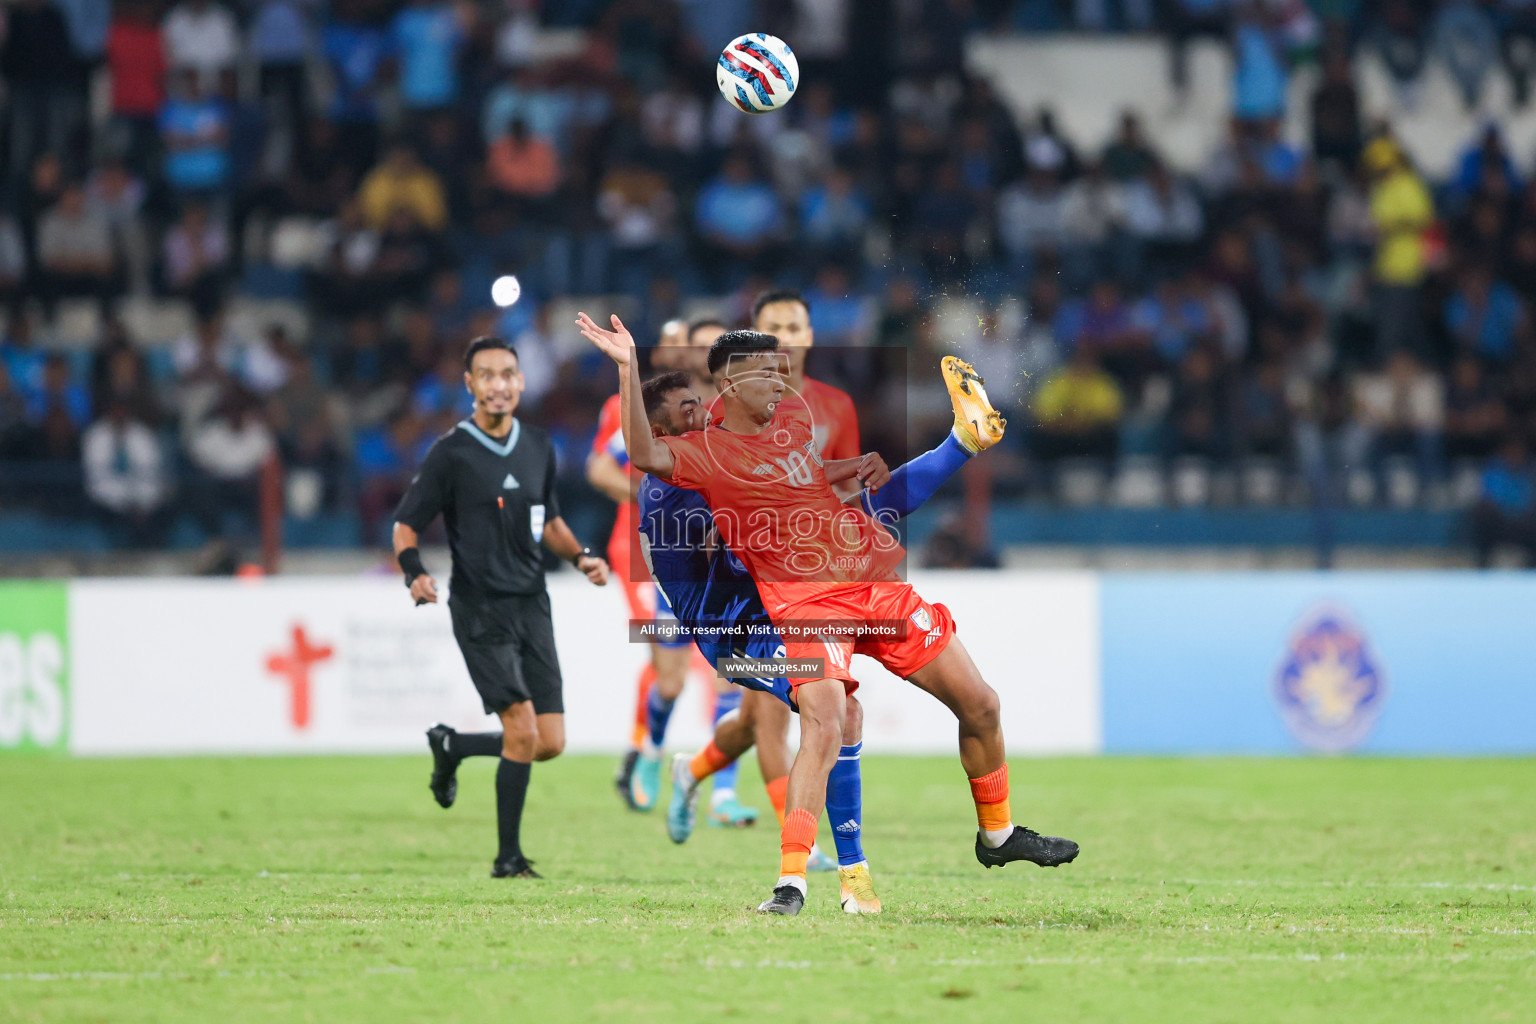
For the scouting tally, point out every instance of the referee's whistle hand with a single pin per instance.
(424, 590)
(596, 570)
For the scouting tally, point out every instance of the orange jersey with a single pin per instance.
(775, 510)
(834, 421)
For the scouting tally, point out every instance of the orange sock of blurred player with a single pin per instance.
(796, 838)
(993, 815)
(708, 761)
(647, 679)
(777, 790)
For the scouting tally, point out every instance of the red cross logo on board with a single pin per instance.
(293, 666)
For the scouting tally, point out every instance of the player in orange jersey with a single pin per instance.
(819, 563)
(785, 314)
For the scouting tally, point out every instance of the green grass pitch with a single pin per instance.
(334, 890)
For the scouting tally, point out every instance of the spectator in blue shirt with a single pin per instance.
(61, 390)
(1259, 77)
(23, 362)
(280, 40)
(1506, 512)
(1485, 316)
(739, 219)
(838, 313)
(194, 127)
(357, 52)
(1489, 153)
(427, 36)
(834, 214)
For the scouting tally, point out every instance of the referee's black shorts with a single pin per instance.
(508, 645)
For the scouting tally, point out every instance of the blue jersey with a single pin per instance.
(711, 594)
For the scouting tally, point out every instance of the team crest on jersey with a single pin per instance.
(924, 622)
(1330, 687)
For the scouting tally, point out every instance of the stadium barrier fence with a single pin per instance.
(1414, 663)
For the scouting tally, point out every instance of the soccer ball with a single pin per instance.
(757, 73)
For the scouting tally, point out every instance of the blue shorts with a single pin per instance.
(769, 646)
(664, 615)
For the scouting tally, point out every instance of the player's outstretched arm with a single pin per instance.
(645, 452)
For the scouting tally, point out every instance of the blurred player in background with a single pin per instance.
(786, 315)
(682, 347)
(662, 679)
(692, 358)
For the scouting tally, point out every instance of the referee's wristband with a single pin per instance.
(578, 556)
(410, 564)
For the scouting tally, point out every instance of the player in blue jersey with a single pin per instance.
(716, 602)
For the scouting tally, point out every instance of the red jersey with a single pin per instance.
(624, 539)
(834, 422)
(775, 510)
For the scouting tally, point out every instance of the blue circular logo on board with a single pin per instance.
(1330, 687)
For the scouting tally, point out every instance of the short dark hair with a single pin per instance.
(739, 343)
(773, 295)
(700, 324)
(484, 343)
(654, 392)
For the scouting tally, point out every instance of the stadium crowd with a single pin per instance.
(1319, 320)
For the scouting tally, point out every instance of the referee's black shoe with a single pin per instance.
(445, 764)
(514, 867)
(1027, 844)
(624, 780)
(787, 901)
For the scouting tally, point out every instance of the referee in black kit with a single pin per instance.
(493, 480)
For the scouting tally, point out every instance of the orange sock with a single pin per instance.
(991, 795)
(647, 677)
(776, 793)
(796, 838)
(708, 761)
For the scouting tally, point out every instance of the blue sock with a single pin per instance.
(913, 483)
(657, 711)
(724, 780)
(845, 806)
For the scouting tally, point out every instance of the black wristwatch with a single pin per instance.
(578, 556)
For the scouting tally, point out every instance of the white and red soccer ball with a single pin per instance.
(757, 73)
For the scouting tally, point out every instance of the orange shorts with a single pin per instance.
(923, 629)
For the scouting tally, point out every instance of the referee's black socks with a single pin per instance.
(477, 744)
(511, 788)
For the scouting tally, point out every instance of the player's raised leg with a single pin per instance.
(953, 678)
(449, 749)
